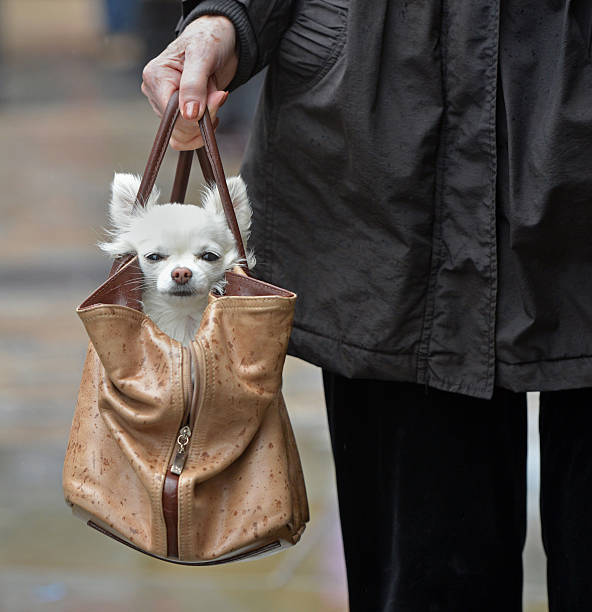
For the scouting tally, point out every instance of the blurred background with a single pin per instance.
(71, 113)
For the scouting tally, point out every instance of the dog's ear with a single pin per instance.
(212, 202)
(122, 211)
(124, 190)
(238, 194)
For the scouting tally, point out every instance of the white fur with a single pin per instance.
(181, 233)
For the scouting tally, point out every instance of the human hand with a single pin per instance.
(200, 63)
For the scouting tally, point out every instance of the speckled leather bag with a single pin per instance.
(187, 453)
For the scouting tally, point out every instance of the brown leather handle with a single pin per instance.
(206, 167)
(209, 159)
(181, 177)
(184, 169)
(213, 155)
(163, 135)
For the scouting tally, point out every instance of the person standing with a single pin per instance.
(419, 174)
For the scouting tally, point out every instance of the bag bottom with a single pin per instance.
(246, 553)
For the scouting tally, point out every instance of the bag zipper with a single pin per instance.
(170, 492)
(180, 454)
(185, 431)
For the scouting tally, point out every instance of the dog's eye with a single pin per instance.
(209, 256)
(154, 256)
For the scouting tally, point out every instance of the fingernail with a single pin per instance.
(191, 110)
(226, 94)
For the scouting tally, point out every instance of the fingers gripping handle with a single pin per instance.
(211, 164)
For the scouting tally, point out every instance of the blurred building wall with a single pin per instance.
(54, 27)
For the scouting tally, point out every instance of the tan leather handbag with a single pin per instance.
(199, 472)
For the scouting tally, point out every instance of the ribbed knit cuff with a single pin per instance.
(246, 41)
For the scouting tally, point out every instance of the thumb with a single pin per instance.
(200, 63)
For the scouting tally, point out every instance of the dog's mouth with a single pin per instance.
(182, 292)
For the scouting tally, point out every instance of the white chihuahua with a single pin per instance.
(183, 249)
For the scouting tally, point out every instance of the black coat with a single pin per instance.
(421, 174)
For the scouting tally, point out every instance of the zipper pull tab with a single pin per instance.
(180, 454)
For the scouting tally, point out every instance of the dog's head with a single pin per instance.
(183, 249)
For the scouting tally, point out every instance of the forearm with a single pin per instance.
(259, 26)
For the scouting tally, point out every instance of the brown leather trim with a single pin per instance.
(171, 512)
(120, 262)
(123, 287)
(206, 167)
(165, 129)
(181, 177)
(241, 285)
(259, 551)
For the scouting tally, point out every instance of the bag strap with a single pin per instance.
(181, 177)
(206, 168)
(217, 171)
(161, 141)
(210, 161)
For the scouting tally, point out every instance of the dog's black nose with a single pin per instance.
(181, 275)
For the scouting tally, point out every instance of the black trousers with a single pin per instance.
(432, 496)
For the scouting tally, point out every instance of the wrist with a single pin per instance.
(216, 21)
(219, 27)
(244, 43)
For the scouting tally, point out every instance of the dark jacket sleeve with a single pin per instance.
(259, 26)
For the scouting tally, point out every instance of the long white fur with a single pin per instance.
(183, 233)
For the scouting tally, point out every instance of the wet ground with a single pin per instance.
(58, 156)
